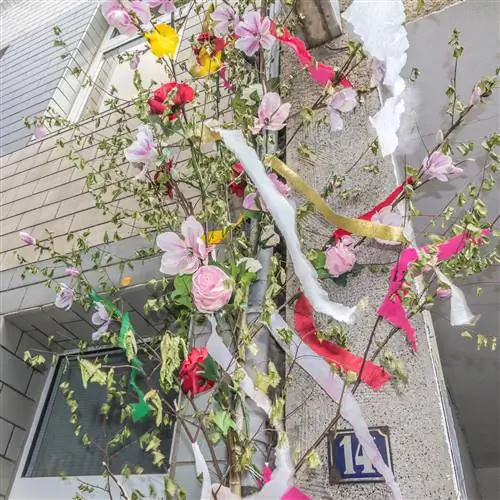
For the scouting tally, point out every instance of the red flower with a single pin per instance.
(191, 372)
(216, 44)
(166, 168)
(238, 185)
(178, 94)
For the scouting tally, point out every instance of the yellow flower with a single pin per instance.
(207, 63)
(126, 281)
(163, 40)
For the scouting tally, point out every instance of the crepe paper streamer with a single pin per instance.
(372, 374)
(202, 469)
(392, 309)
(281, 478)
(333, 385)
(340, 233)
(139, 410)
(284, 216)
(320, 73)
(352, 225)
(460, 314)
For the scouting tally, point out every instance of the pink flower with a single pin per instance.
(39, 130)
(142, 150)
(64, 298)
(341, 102)
(141, 8)
(339, 259)
(72, 271)
(388, 217)
(378, 72)
(102, 319)
(443, 293)
(136, 59)
(439, 166)
(272, 114)
(224, 16)
(475, 97)
(163, 6)
(27, 238)
(118, 17)
(250, 200)
(183, 256)
(211, 289)
(254, 32)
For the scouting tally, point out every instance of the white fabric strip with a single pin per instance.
(333, 385)
(202, 468)
(284, 216)
(460, 313)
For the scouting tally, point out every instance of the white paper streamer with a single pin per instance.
(284, 216)
(379, 25)
(460, 313)
(202, 468)
(332, 384)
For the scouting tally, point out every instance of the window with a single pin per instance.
(53, 449)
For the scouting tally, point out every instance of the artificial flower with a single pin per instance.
(183, 256)
(443, 292)
(250, 201)
(341, 102)
(206, 63)
(439, 165)
(253, 33)
(126, 281)
(340, 259)
(39, 130)
(475, 97)
(166, 168)
(271, 114)
(72, 271)
(118, 17)
(388, 217)
(136, 59)
(225, 19)
(211, 289)
(163, 6)
(64, 298)
(102, 319)
(191, 372)
(238, 184)
(176, 95)
(378, 72)
(142, 150)
(164, 40)
(141, 9)
(27, 238)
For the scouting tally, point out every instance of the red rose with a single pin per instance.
(237, 186)
(191, 372)
(166, 168)
(178, 94)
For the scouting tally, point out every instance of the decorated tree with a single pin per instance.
(232, 246)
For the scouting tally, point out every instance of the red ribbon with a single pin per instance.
(372, 374)
(392, 308)
(340, 233)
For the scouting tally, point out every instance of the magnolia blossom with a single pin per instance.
(475, 97)
(27, 238)
(388, 217)
(39, 130)
(439, 165)
(340, 259)
(141, 9)
(163, 6)
(443, 293)
(341, 102)
(224, 17)
(118, 17)
(378, 72)
(183, 256)
(250, 201)
(271, 114)
(64, 298)
(142, 150)
(102, 319)
(72, 271)
(211, 289)
(254, 32)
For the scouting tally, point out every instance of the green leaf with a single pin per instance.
(210, 369)
(91, 373)
(223, 421)
(182, 290)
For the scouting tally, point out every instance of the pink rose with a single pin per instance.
(211, 289)
(339, 259)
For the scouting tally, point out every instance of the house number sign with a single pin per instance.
(347, 461)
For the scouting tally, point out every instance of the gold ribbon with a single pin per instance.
(355, 226)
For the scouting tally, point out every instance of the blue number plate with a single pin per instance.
(346, 458)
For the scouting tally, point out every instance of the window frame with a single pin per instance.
(40, 488)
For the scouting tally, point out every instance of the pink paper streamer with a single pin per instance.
(392, 309)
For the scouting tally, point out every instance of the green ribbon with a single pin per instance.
(126, 341)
